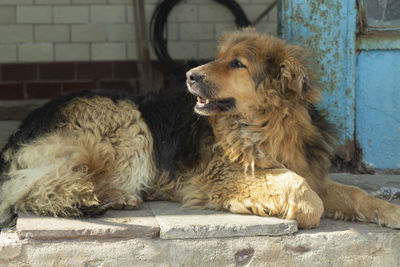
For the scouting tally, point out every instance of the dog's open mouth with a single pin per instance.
(207, 106)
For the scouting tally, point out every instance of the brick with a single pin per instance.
(133, 53)
(78, 86)
(56, 71)
(88, 33)
(8, 15)
(89, 2)
(172, 31)
(35, 52)
(125, 69)
(19, 72)
(215, 12)
(72, 52)
(108, 14)
(71, 14)
(207, 50)
(52, 33)
(223, 27)
(124, 85)
(148, 12)
(120, 1)
(8, 53)
(199, 2)
(52, 2)
(261, 1)
(268, 27)
(34, 14)
(120, 32)
(183, 12)
(130, 1)
(43, 90)
(196, 31)
(15, 2)
(182, 50)
(273, 15)
(16, 34)
(108, 51)
(94, 70)
(253, 11)
(9, 91)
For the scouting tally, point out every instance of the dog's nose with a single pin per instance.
(192, 77)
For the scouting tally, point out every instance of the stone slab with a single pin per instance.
(113, 224)
(177, 222)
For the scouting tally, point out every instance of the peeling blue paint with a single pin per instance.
(361, 91)
(327, 30)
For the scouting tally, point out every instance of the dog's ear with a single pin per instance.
(294, 76)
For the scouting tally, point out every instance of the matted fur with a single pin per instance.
(260, 147)
(101, 153)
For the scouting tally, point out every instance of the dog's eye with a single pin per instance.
(237, 64)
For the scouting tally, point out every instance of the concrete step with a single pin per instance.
(165, 234)
(157, 219)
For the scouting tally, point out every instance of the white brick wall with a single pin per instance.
(72, 52)
(71, 14)
(95, 30)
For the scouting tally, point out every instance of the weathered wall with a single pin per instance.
(98, 30)
(360, 77)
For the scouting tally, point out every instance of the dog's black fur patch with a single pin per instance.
(175, 128)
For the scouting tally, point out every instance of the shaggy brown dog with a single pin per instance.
(276, 148)
(260, 147)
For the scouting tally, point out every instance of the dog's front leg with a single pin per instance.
(349, 202)
(275, 192)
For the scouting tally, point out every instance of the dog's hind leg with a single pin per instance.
(47, 176)
(351, 203)
(275, 192)
(73, 175)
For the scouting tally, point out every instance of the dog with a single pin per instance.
(255, 144)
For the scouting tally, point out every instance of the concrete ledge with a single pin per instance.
(164, 220)
(334, 243)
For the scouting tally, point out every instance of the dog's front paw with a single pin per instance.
(309, 209)
(388, 215)
(304, 206)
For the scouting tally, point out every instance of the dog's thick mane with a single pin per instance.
(285, 129)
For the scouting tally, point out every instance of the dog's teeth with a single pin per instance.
(198, 99)
(207, 101)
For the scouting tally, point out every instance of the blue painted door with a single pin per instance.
(360, 74)
(378, 107)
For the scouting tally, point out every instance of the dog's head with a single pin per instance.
(249, 66)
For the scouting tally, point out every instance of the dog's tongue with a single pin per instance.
(202, 100)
